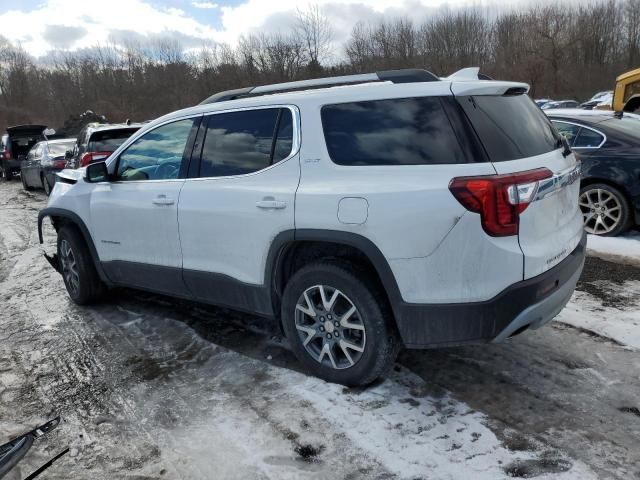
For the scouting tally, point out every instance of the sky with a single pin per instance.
(40, 26)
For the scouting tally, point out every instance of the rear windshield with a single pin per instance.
(510, 127)
(626, 125)
(109, 140)
(406, 131)
(21, 143)
(59, 149)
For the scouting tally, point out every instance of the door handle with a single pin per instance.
(270, 203)
(163, 200)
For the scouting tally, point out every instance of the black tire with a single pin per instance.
(45, 185)
(381, 343)
(24, 183)
(625, 212)
(86, 288)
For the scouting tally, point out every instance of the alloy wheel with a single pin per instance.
(69, 267)
(330, 327)
(601, 209)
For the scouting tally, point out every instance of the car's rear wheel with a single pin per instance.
(337, 325)
(24, 182)
(76, 266)
(45, 185)
(605, 210)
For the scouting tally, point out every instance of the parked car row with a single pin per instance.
(27, 151)
(599, 98)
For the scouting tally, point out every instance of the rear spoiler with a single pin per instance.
(470, 73)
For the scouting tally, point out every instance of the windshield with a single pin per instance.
(109, 140)
(59, 149)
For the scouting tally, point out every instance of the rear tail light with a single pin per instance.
(59, 164)
(6, 155)
(499, 199)
(91, 157)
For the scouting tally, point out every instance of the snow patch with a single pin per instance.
(585, 311)
(624, 249)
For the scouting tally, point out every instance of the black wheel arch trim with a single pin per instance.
(366, 246)
(75, 219)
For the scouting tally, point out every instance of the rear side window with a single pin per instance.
(238, 143)
(510, 126)
(588, 138)
(567, 130)
(407, 131)
(109, 140)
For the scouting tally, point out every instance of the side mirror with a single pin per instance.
(68, 155)
(96, 172)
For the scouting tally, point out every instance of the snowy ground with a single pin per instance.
(149, 388)
(623, 249)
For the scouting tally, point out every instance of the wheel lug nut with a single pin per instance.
(321, 328)
(336, 334)
(322, 319)
(336, 324)
(329, 317)
(328, 335)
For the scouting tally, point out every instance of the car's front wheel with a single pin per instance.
(337, 324)
(76, 266)
(605, 210)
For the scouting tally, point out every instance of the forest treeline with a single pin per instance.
(562, 51)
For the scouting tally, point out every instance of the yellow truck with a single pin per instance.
(626, 96)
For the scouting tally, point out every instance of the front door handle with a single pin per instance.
(270, 203)
(163, 200)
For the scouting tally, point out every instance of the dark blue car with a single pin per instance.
(608, 146)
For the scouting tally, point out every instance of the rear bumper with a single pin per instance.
(11, 165)
(527, 304)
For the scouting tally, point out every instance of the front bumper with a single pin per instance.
(527, 304)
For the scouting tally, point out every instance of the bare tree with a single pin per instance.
(560, 49)
(314, 32)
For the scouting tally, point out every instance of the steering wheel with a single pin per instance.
(167, 171)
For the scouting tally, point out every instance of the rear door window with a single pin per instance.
(237, 143)
(407, 131)
(510, 126)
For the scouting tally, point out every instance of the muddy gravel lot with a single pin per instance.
(150, 387)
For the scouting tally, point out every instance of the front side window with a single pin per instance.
(510, 126)
(157, 155)
(237, 143)
(405, 131)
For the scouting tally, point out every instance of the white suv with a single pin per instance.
(363, 212)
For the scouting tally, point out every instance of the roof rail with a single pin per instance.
(408, 75)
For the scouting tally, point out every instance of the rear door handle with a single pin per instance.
(163, 200)
(270, 203)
